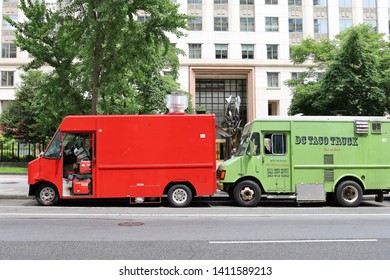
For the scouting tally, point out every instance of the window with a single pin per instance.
(321, 26)
(7, 78)
(195, 50)
(221, 51)
(195, 24)
(272, 51)
(345, 3)
(143, 18)
(7, 25)
(275, 144)
(246, 2)
(376, 127)
(321, 3)
(345, 23)
(54, 149)
(296, 75)
(295, 2)
(271, 24)
(8, 50)
(247, 24)
(221, 24)
(273, 79)
(372, 22)
(271, 2)
(194, 2)
(213, 93)
(369, 3)
(247, 51)
(320, 76)
(295, 25)
(221, 1)
(255, 141)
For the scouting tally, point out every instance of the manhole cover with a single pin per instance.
(131, 224)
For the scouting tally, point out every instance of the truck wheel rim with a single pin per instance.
(47, 194)
(350, 194)
(179, 196)
(247, 194)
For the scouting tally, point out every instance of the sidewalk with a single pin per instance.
(13, 186)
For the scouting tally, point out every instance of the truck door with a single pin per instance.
(78, 157)
(275, 162)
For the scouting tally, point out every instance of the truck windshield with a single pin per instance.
(243, 144)
(54, 149)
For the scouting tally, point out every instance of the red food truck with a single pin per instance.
(140, 157)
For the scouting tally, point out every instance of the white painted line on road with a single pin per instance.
(293, 241)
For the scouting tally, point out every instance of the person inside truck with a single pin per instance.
(267, 145)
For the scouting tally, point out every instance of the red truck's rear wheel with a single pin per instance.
(179, 196)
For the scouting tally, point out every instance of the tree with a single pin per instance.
(101, 53)
(19, 120)
(354, 74)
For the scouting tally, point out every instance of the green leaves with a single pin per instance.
(101, 58)
(354, 68)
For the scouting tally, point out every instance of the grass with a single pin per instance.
(4, 169)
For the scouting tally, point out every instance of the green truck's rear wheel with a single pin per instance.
(349, 194)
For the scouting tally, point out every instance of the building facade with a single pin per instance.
(233, 48)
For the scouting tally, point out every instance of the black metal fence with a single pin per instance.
(19, 152)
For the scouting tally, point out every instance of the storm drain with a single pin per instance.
(131, 224)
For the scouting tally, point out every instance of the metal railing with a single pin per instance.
(22, 152)
(19, 152)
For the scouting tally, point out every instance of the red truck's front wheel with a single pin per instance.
(46, 194)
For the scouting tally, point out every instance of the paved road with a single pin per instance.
(212, 229)
(208, 230)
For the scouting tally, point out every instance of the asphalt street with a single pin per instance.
(214, 228)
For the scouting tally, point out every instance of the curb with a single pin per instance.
(13, 173)
(4, 196)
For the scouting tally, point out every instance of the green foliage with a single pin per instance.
(355, 72)
(101, 60)
(35, 114)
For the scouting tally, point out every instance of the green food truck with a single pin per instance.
(309, 159)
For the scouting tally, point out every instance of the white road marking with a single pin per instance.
(291, 241)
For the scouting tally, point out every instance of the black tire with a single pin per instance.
(179, 196)
(231, 193)
(247, 193)
(349, 194)
(47, 195)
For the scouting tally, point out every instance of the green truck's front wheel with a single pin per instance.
(247, 193)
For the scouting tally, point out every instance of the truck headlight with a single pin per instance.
(221, 174)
